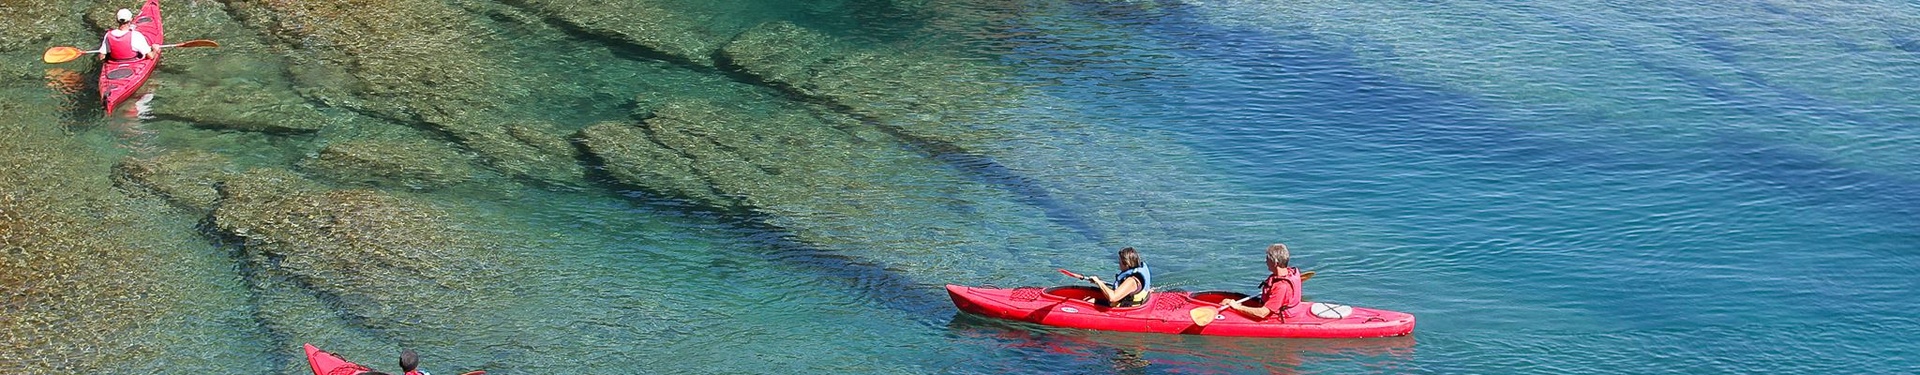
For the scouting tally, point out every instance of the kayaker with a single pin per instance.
(1134, 282)
(1280, 291)
(123, 42)
(410, 363)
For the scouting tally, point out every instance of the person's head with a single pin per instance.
(124, 16)
(1129, 258)
(1277, 256)
(409, 360)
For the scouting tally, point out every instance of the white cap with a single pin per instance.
(124, 16)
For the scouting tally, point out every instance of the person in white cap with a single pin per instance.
(123, 42)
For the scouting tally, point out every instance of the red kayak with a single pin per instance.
(325, 363)
(119, 80)
(1174, 312)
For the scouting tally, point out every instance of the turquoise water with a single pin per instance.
(1551, 187)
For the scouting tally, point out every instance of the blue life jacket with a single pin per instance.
(1146, 284)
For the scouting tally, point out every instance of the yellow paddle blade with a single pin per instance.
(198, 43)
(60, 54)
(1202, 316)
(1305, 276)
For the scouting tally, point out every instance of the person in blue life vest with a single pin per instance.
(123, 42)
(1133, 283)
(1280, 291)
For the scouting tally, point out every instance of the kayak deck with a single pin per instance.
(1171, 313)
(120, 79)
(325, 363)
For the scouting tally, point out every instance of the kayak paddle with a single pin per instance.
(1204, 315)
(476, 372)
(1072, 275)
(62, 54)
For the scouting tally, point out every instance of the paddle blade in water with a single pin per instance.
(198, 43)
(60, 54)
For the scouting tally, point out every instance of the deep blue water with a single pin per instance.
(1551, 187)
(1665, 215)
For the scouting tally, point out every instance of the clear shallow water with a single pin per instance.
(1550, 187)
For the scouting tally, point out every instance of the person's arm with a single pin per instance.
(1126, 287)
(140, 44)
(103, 48)
(1256, 312)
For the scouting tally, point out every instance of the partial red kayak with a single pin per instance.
(119, 80)
(1172, 312)
(325, 363)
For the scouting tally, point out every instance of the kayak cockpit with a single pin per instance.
(1082, 294)
(1216, 296)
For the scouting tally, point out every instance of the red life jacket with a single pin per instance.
(1280, 292)
(121, 47)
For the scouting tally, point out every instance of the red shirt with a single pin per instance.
(1280, 292)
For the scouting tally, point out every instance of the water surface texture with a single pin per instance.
(1550, 186)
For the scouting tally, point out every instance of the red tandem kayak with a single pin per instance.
(119, 80)
(325, 363)
(1172, 312)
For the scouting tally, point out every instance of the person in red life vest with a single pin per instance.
(123, 42)
(1280, 291)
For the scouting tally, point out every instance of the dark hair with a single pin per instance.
(409, 360)
(1129, 259)
(1277, 254)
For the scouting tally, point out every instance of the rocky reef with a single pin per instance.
(407, 164)
(368, 56)
(910, 89)
(355, 118)
(186, 178)
(91, 276)
(383, 258)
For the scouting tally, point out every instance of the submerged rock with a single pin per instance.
(418, 164)
(242, 105)
(905, 87)
(88, 273)
(186, 178)
(33, 24)
(793, 164)
(415, 62)
(394, 263)
(655, 30)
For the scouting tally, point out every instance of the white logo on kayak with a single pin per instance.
(1069, 309)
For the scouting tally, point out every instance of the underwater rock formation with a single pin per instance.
(186, 178)
(243, 106)
(89, 274)
(892, 86)
(379, 256)
(416, 164)
(657, 31)
(371, 57)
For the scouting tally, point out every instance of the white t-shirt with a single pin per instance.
(139, 41)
